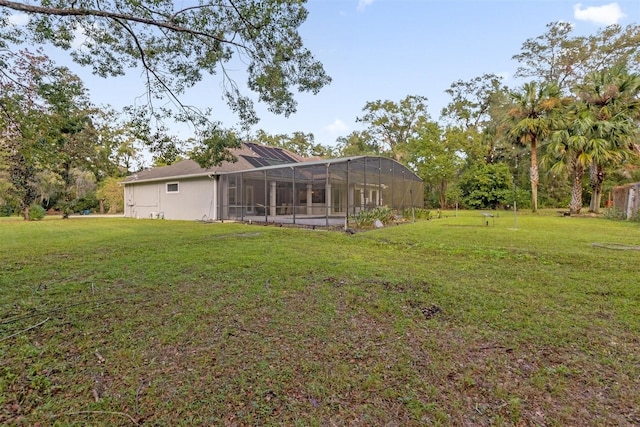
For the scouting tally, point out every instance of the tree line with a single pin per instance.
(54, 143)
(561, 139)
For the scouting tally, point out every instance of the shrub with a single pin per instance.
(417, 213)
(366, 218)
(36, 212)
(613, 213)
(487, 186)
(6, 210)
(83, 204)
(111, 192)
(619, 214)
(79, 205)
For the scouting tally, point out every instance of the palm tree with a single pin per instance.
(532, 121)
(568, 150)
(612, 98)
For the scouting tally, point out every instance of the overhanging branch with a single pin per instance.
(112, 15)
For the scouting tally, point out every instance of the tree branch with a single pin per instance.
(119, 414)
(112, 15)
(149, 70)
(245, 20)
(25, 330)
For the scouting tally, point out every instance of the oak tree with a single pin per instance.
(391, 123)
(559, 58)
(176, 46)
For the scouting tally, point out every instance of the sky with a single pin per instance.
(388, 49)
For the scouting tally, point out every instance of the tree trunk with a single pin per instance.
(534, 177)
(576, 191)
(25, 213)
(66, 192)
(443, 194)
(597, 179)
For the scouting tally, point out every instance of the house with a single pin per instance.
(626, 199)
(272, 185)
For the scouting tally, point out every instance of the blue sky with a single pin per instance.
(388, 49)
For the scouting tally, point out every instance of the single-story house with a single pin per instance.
(626, 198)
(273, 185)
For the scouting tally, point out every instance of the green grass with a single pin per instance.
(442, 322)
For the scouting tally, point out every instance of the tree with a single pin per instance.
(477, 109)
(176, 46)
(567, 151)
(557, 58)
(299, 142)
(22, 113)
(118, 150)
(532, 119)
(487, 186)
(357, 143)
(111, 196)
(391, 124)
(474, 102)
(435, 158)
(600, 130)
(68, 140)
(611, 99)
(47, 131)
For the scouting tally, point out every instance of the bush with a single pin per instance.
(364, 219)
(417, 213)
(79, 205)
(487, 186)
(111, 192)
(6, 210)
(613, 213)
(619, 214)
(36, 212)
(86, 203)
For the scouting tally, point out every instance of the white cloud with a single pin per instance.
(608, 14)
(363, 3)
(337, 127)
(19, 19)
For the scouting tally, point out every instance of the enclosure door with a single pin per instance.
(339, 198)
(248, 199)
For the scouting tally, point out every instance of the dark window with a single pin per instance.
(172, 187)
(317, 196)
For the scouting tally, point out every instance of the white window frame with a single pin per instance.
(177, 184)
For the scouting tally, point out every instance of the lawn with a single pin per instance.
(113, 321)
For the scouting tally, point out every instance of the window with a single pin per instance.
(232, 190)
(172, 187)
(317, 195)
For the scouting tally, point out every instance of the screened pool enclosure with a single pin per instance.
(322, 192)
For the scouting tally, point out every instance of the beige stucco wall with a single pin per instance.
(193, 201)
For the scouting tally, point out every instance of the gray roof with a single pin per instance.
(191, 169)
(246, 162)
